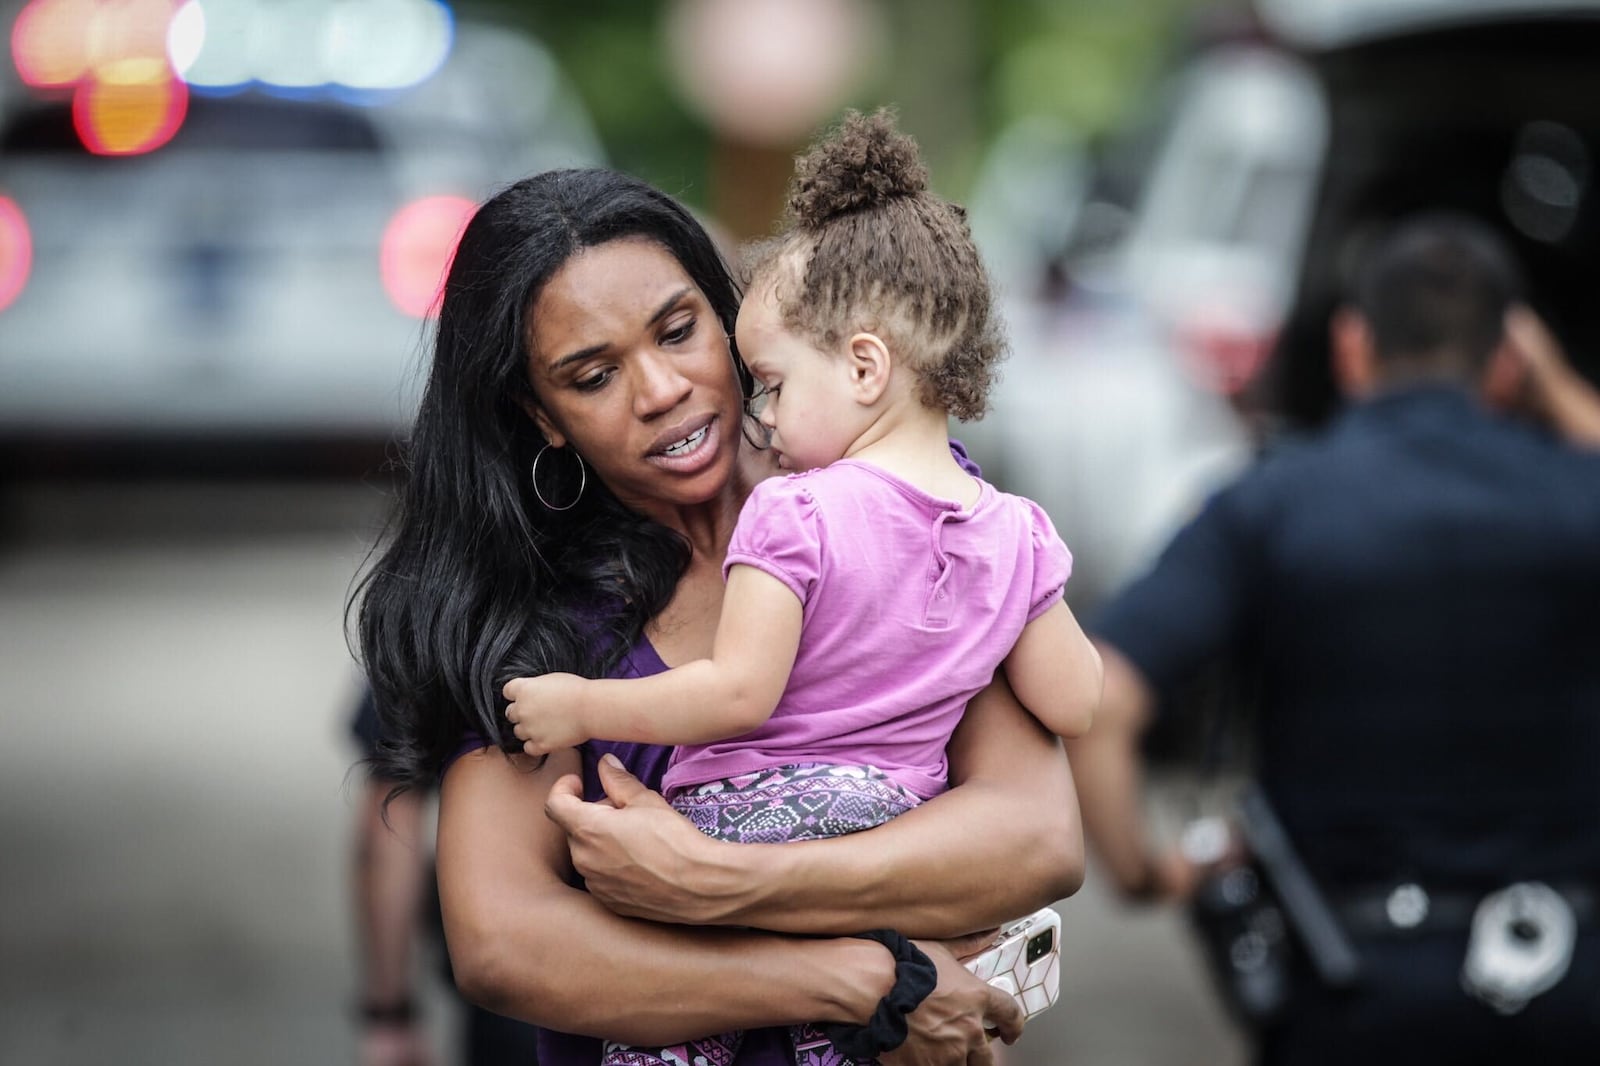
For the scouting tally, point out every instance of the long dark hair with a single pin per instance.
(478, 582)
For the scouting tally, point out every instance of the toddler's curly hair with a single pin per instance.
(868, 247)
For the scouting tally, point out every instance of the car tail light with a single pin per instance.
(416, 250)
(16, 251)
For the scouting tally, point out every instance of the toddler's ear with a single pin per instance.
(870, 364)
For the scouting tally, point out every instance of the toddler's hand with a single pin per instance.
(544, 711)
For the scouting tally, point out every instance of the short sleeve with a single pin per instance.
(780, 533)
(1052, 563)
(1188, 608)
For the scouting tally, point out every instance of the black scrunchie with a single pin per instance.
(914, 978)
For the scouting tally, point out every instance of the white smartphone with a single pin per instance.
(1025, 961)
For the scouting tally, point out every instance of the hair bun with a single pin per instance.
(864, 163)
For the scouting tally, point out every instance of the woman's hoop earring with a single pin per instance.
(583, 481)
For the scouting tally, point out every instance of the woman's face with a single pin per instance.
(630, 366)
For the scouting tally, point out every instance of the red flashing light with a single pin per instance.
(128, 40)
(417, 248)
(128, 118)
(113, 55)
(50, 42)
(16, 251)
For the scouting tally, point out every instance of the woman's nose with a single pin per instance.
(660, 386)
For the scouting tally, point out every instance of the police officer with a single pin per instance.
(1417, 591)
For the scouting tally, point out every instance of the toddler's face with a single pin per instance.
(804, 396)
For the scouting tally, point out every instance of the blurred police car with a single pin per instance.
(1208, 249)
(228, 220)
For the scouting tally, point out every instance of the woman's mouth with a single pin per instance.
(687, 445)
(690, 452)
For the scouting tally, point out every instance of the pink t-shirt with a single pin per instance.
(910, 604)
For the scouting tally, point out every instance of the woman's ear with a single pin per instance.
(556, 438)
(870, 365)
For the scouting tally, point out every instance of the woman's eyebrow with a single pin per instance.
(667, 305)
(595, 349)
(577, 357)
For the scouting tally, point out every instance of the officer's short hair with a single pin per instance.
(1436, 287)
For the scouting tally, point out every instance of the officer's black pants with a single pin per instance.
(1410, 1009)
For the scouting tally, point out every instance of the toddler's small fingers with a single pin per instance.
(513, 714)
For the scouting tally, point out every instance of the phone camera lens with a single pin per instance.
(1039, 945)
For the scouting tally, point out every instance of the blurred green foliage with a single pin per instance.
(959, 70)
(612, 52)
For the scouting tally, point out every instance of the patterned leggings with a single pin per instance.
(775, 807)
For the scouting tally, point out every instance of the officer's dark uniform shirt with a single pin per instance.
(1419, 589)
(365, 727)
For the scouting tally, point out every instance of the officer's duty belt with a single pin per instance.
(1409, 908)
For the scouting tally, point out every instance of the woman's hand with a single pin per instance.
(509, 909)
(637, 855)
(926, 873)
(545, 711)
(953, 1026)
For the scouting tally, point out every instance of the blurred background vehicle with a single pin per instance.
(232, 231)
(1180, 319)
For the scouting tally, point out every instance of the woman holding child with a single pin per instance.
(579, 463)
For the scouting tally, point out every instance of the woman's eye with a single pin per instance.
(679, 334)
(592, 381)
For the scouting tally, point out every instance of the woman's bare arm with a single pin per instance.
(1005, 841)
(525, 943)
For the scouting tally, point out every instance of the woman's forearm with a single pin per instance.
(524, 943)
(1007, 840)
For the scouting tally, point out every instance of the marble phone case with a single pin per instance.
(1025, 961)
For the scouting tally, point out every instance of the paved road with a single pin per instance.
(174, 797)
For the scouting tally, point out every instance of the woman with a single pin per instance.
(578, 462)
